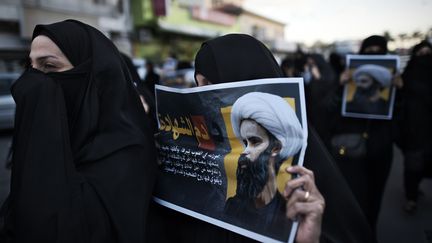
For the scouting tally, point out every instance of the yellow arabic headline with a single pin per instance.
(184, 128)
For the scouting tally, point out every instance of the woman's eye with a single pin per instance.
(49, 66)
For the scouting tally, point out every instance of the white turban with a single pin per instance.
(274, 114)
(381, 74)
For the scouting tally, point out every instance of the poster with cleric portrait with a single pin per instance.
(369, 92)
(224, 147)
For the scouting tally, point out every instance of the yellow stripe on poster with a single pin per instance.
(385, 94)
(351, 87)
(283, 176)
(230, 160)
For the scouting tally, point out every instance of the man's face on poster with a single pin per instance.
(253, 164)
(364, 81)
(366, 85)
(254, 137)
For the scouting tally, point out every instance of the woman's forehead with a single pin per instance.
(43, 46)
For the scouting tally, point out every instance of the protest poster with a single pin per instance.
(202, 171)
(370, 92)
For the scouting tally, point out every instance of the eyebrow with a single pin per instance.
(254, 137)
(42, 58)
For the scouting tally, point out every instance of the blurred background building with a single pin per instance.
(18, 19)
(180, 26)
(157, 29)
(153, 29)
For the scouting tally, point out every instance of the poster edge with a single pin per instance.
(244, 83)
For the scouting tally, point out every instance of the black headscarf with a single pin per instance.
(238, 57)
(72, 39)
(374, 40)
(107, 91)
(235, 57)
(418, 72)
(84, 159)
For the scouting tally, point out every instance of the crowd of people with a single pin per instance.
(367, 172)
(84, 156)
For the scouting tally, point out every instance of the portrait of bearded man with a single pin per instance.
(370, 80)
(271, 133)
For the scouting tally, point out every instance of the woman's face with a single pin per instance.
(364, 81)
(47, 57)
(374, 49)
(201, 80)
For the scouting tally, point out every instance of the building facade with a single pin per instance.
(18, 19)
(180, 26)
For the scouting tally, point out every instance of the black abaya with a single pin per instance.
(416, 119)
(83, 163)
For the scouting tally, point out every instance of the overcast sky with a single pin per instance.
(330, 20)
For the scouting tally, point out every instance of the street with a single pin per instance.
(394, 226)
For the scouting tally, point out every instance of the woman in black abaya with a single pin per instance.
(238, 57)
(83, 153)
(366, 172)
(416, 120)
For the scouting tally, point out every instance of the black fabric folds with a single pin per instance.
(142, 90)
(235, 57)
(70, 37)
(343, 220)
(416, 129)
(417, 78)
(84, 158)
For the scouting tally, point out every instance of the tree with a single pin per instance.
(429, 33)
(417, 35)
(388, 36)
(402, 37)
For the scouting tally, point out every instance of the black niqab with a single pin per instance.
(420, 65)
(84, 159)
(238, 57)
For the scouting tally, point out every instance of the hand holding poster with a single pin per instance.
(370, 92)
(224, 150)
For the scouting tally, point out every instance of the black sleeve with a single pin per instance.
(343, 220)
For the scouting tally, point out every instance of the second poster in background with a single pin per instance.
(203, 139)
(370, 92)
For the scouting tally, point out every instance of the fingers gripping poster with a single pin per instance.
(223, 151)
